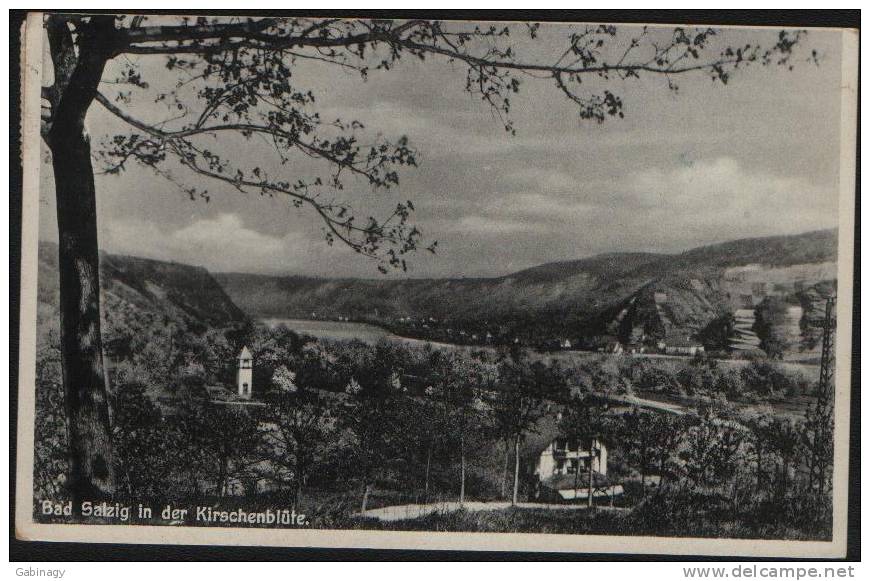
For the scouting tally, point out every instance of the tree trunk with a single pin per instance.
(516, 469)
(735, 484)
(462, 469)
(428, 466)
(591, 456)
(222, 476)
(785, 477)
(298, 478)
(577, 474)
(812, 467)
(504, 472)
(759, 476)
(643, 481)
(92, 472)
(365, 499)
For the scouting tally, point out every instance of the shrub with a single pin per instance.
(765, 378)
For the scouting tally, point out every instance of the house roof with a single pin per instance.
(245, 354)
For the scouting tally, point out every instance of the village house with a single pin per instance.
(614, 347)
(636, 341)
(675, 345)
(636, 349)
(607, 344)
(562, 471)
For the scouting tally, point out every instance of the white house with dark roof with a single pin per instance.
(562, 469)
(680, 345)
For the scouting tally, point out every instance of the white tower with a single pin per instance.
(246, 373)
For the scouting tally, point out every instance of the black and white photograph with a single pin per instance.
(453, 284)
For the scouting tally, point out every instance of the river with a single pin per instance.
(346, 330)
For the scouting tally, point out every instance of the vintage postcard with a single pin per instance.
(515, 286)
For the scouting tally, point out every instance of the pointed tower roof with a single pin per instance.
(245, 354)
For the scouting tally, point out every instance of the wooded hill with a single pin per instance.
(616, 294)
(139, 293)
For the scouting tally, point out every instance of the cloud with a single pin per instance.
(720, 198)
(222, 243)
(547, 208)
(484, 225)
(658, 209)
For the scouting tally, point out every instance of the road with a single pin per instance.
(411, 511)
(649, 404)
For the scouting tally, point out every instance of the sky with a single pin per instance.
(709, 163)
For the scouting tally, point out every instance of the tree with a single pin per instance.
(517, 404)
(667, 434)
(372, 414)
(502, 421)
(228, 439)
(236, 78)
(50, 471)
(584, 420)
(431, 423)
(460, 383)
(769, 316)
(759, 447)
(699, 455)
(764, 378)
(145, 446)
(781, 437)
(284, 380)
(296, 429)
(718, 332)
(698, 376)
(730, 383)
(729, 453)
(640, 430)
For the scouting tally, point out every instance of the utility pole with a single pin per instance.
(821, 416)
(826, 373)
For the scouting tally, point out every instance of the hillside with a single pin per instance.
(621, 295)
(139, 293)
(509, 296)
